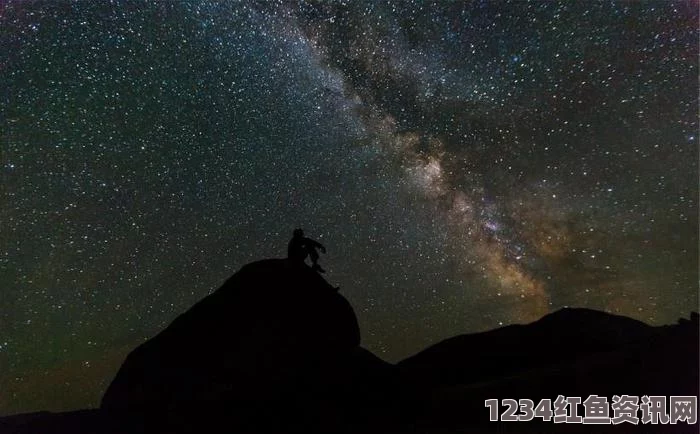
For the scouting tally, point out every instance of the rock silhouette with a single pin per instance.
(277, 350)
(274, 337)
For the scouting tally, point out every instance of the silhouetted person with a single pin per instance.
(300, 246)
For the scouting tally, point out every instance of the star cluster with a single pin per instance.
(468, 165)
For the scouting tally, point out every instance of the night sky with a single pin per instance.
(467, 165)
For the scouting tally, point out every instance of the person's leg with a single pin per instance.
(314, 261)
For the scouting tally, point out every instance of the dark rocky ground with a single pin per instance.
(277, 350)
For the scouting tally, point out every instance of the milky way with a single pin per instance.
(468, 165)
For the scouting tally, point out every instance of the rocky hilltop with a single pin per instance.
(277, 349)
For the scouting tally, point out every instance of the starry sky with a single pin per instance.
(467, 165)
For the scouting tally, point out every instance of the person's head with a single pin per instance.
(298, 233)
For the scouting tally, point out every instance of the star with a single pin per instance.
(467, 166)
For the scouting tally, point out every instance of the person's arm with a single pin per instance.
(317, 245)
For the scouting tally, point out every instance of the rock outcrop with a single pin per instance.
(275, 345)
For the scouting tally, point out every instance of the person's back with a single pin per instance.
(296, 249)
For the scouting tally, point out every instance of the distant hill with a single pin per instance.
(561, 337)
(572, 352)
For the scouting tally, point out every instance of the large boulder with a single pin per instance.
(275, 342)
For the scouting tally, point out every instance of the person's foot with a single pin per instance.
(318, 268)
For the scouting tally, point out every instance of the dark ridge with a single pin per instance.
(276, 350)
(562, 336)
